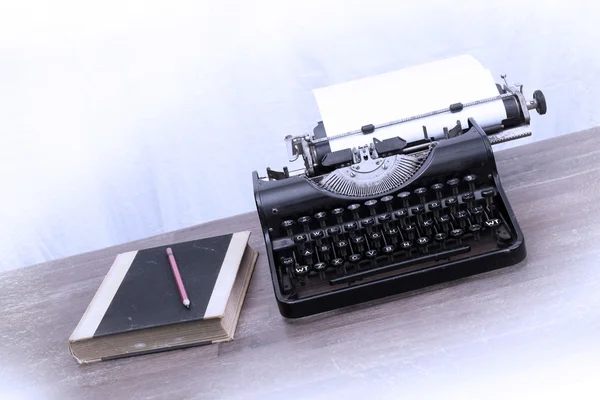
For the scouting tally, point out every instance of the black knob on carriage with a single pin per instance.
(540, 100)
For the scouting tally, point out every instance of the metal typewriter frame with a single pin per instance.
(479, 140)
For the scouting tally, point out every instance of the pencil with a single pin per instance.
(184, 296)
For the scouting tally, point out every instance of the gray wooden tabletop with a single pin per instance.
(528, 331)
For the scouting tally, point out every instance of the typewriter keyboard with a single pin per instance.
(369, 239)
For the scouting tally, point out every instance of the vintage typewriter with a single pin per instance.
(393, 215)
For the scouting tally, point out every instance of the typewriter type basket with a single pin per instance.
(440, 215)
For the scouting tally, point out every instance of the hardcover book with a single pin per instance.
(138, 309)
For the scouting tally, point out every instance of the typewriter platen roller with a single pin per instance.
(393, 215)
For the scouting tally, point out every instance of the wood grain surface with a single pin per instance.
(528, 331)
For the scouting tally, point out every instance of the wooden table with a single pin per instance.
(529, 331)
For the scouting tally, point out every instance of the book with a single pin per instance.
(138, 309)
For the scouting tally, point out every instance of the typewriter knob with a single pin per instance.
(320, 267)
(288, 226)
(320, 217)
(470, 179)
(403, 196)
(457, 234)
(302, 270)
(354, 210)
(387, 200)
(475, 230)
(453, 183)
(540, 100)
(469, 199)
(305, 221)
(441, 239)
(371, 204)
(421, 192)
(437, 189)
(338, 212)
(477, 213)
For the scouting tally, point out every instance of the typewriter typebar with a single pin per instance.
(391, 216)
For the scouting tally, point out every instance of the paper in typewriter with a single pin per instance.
(405, 93)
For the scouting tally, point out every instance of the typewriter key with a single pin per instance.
(338, 212)
(444, 222)
(300, 241)
(422, 242)
(392, 235)
(317, 236)
(441, 239)
(354, 210)
(324, 252)
(437, 189)
(371, 255)
(451, 203)
(477, 213)
(288, 226)
(320, 217)
(354, 259)
(387, 200)
(469, 199)
(470, 179)
(406, 246)
(421, 193)
(301, 271)
(403, 196)
(453, 184)
(375, 238)
(307, 255)
(488, 195)
(384, 219)
(305, 221)
(461, 218)
(475, 230)
(388, 251)
(342, 248)
(409, 229)
(368, 224)
(320, 267)
(358, 243)
(427, 226)
(334, 232)
(457, 234)
(401, 216)
(339, 264)
(371, 206)
(287, 263)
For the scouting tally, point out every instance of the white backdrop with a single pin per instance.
(123, 120)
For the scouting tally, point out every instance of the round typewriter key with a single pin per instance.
(461, 217)
(389, 249)
(371, 255)
(453, 184)
(406, 246)
(441, 239)
(375, 238)
(342, 247)
(385, 219)
(387, 200)
(301, 270)
(488, 195)
(452, 203)
(320, 217)
(318, 236)
(457, 234)
(339, 265)
(477, 212)
(437, 189)
(392, 235)
(401, 215)
(358, 243)
(469, 199)
(354, 210)
(351, 227)
(371, 204)
(475, 230)
(307, 254)
(428, 225)
(320, 267)
(421, 193)
(418, 211)
(300, 238)
(287, 263)
(338, 212)
(422, 242)
(288, 226)
(444, 221)
(404, 197)
(305, 221)
(470, 179)
(354, 259)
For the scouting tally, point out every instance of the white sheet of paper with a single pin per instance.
(405, 93)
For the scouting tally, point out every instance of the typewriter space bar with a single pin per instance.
(408, 263)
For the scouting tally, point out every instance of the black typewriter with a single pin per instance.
(393, 215)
